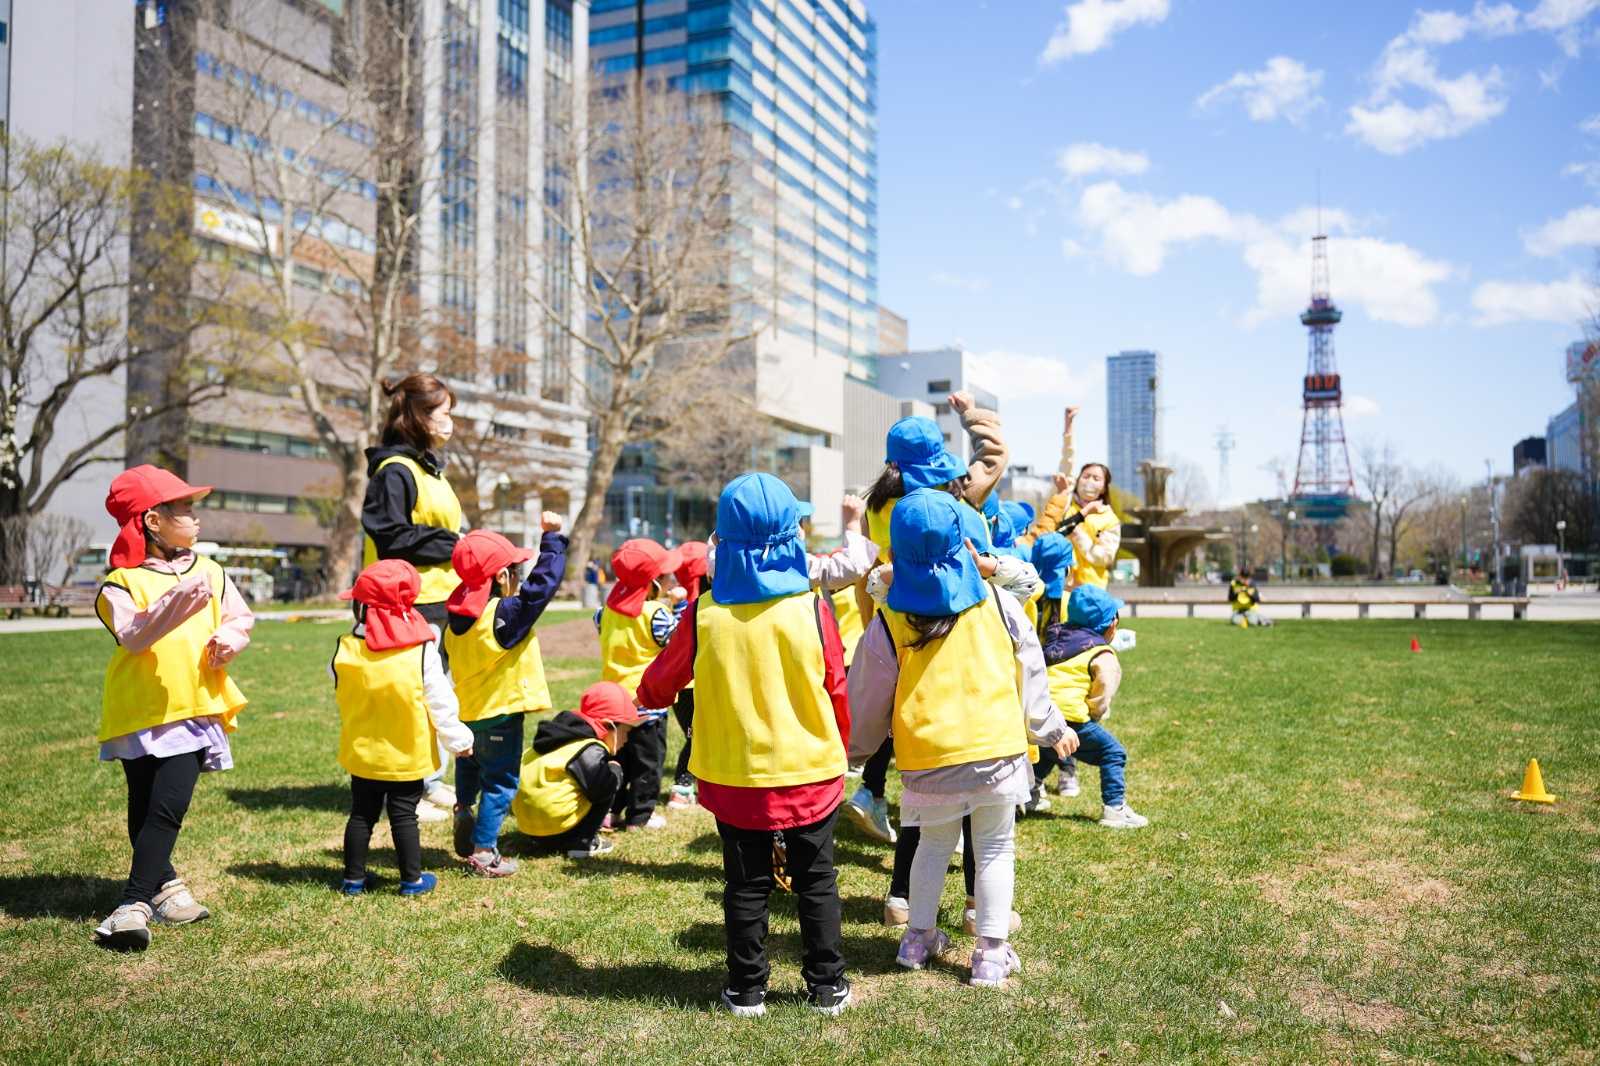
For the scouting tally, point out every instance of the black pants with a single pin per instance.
(683, 711)
(159, 791)
(368, 798)
(643, 757)
(875, 774)
(747, 870)
(588, 827)
(905, 849)
(438, 616)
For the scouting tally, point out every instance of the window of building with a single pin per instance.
(942, 385)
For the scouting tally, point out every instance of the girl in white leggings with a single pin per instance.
(941, 664)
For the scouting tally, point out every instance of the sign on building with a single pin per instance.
(235, 228)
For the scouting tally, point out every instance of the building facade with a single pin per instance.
(868, 414)
(1564, 439)
(1133, 416)
(931, 376)
(894, 333)
(799, 79)
(1527, 452)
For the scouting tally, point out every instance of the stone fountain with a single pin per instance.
(1152, 538)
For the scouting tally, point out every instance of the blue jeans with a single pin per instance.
(1097, 747)
(493, 769)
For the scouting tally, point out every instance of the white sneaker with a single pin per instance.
(896, 911)
(871, 815)
(175, 905)
(1067, 784)
(126, 929)
(657, 821)
(441, 795)
(598, 846)
(1122, 816)
(428, 812)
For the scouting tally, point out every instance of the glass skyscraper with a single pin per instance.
(1133, 416)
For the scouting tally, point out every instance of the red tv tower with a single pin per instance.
(1323, 486)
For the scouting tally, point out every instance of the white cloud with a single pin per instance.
(1561, 14)
(1577, 228)
(1563, 302)
(1358, 406)
(1589, 172)
(1016, 375)
(1089, 25)
(1014, 203)
(1085, 158)
(964, 282)
(1284, 88)
(1392, 282)
(1591, 124)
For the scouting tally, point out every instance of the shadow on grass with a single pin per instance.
(58, 896)
(311, 797)
(862, 954)
(688, 872)
(380, 861)
(540, 968)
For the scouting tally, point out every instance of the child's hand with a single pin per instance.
(1066, 745)
(678, 594)
(987, 564)
(961, 402)
(464, 754)
(550, 522)
(1067, 419)
(1097, 507)
(851, 508)
(1062, 482)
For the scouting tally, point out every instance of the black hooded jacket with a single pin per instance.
(386, 511)
(592, 767)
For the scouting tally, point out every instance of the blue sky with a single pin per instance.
(1061, 181)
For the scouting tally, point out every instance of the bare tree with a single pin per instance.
(744, 441)
(1380, 476)
(1188, 487)
(1539, 499)
(1412, 493)
(657, 202)
(64, 289)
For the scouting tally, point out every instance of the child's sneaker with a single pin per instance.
(491, 864)
(175, 905)
(465, 824)
(829, 999)
(428, 812)
(919, 946)
(127, 928)
(969, 918)
(896, 911)
(656, 821)
(682, 797)
(356, 888)
(1067, 782)
(871, 815)
(1122, 816)
(1037, 803)
(441, 795)
(420, 887)
(598, 846)
(751, 1004)
(991, 966)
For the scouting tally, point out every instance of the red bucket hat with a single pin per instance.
(135, 491)
(478, 558)
(636, 564)
(606, 703)
(693, 567)
(388, 589)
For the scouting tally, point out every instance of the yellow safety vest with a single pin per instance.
(627, 646)
(436, 506)
(878, 529)
(762, 714)
(848, 612)
(1241, 596)
(385, 733)
(959, 698)
(491, 680)
(548, 800)
(1070, 680)
(1085, 572)
(171, 680)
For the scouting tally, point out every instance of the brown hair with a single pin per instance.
(1105, 493)
(411, 400)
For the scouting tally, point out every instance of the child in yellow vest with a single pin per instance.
(770, 728)
(168, 703)
(569, 777)
(395, 705)
(693, 570)
(1084, 678)
(957, 670)
(1245, 600)
(498, 675)
(1054, 559)
(639, 617)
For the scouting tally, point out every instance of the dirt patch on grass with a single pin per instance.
(1328, 1006)
(569, 640)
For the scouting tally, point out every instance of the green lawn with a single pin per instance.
(1331, 853)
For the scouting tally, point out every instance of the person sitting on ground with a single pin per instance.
(569, 778)
(1245, 599)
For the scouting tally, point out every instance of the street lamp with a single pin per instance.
(1254, 529)
(1561, 552)
(1283, 561)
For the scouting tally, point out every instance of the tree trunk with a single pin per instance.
(344, 533)
(613, 434)
(1377, 539)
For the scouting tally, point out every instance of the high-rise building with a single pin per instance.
(1133, 416)
(1527, 452)
(894, 332)
(230, 92)
(1564, 439)
(931, 376)
(799, 79)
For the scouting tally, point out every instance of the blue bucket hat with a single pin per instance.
(1020, 515)
(974, 528)
(916, 447)
(1053, 557)
(1092, 608)
(934, 574)
(759, 552)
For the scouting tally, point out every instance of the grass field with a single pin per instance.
(1331, 854)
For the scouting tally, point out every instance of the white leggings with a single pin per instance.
(995, 852)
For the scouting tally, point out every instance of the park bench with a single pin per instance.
(14, 599)
(64, 599)
(1362, 599)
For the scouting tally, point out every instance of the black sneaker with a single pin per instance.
(465, 824)
(829, 999)
(752, 1004)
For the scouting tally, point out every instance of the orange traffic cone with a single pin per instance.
(1416, 645)
(1533, 785)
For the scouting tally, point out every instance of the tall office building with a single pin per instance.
(931, 376)
(1133, 416)
(228, 92)
(799, 79)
